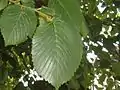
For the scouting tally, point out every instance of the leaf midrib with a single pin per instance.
(56, 46)
(15, 25)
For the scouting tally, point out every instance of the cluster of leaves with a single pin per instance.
(52, 40)
(56, 41)
(104, 41)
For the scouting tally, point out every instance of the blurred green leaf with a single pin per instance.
(102, 78)
(20, 86)
(29, 3)
(116, 68)
(95, 27)
(3, 4)
(3, 74)
(110, 84)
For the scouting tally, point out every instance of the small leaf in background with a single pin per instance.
(92, 6)
(102, 79)
(3, 74)
(56, 51)
(104, 63)
(74, 84)
(69, 11)
(84, 29)
(3, 4)
(2, 44)
(20, 86)
(95, 27)
(29, 3)
(108, 44)
(104, 57)
(47, 11)
(116, 68)
(118, 88)
(17, 23)
(110, 83)
(114, 30)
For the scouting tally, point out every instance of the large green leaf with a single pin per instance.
(17, 23)
(56, 51)
(69, 11)
(3, 4)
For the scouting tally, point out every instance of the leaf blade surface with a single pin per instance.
(69, 11)
(56, 52)
(17, 24)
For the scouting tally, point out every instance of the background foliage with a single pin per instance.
(24, 30)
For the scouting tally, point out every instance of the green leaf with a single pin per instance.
(47, 11)
(69, 11)
(84, 29)
(116, 68)
(95, 27)
(26, 1)
(17, 23)
(56, 51)
(20, 86)
(74, 84)
(102, 79)
(92, 6)
(110, 84)
(29, 3)
(118, 88)
(3, 4)
(3, 74)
